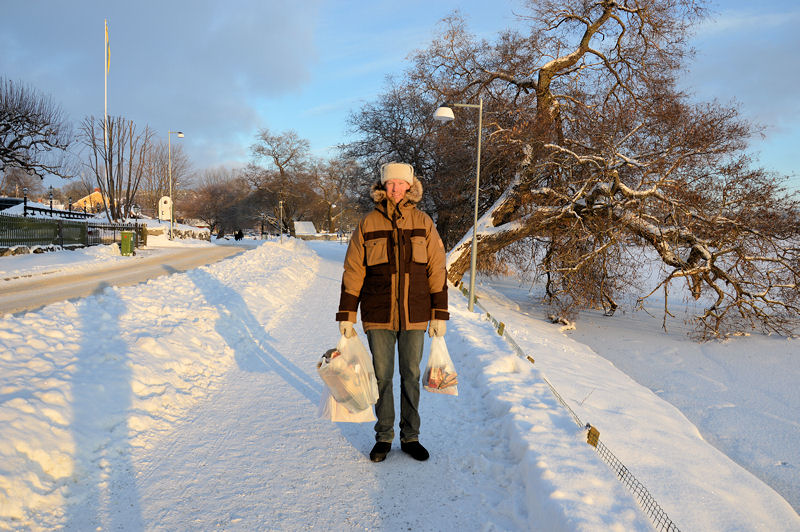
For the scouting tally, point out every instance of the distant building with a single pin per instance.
(304, 229)
(307, 231)
(92, 203)
(200, 224)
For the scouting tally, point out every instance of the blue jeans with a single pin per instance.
(409, 347)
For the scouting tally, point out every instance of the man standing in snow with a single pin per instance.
(395, 270)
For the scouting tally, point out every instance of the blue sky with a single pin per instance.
(220, 71)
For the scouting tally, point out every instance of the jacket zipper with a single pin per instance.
(398, 235)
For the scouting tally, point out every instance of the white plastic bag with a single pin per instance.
(440, 373)
(331, 410)
(348, 373)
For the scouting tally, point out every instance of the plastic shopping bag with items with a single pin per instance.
(440, 373)
(331, 410)
(350, 379)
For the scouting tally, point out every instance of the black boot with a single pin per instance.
(415, 449)
(379, 452)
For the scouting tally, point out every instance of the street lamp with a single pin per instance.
(280, 222)
(341, 221)
(445, 114)
(340, 231)
(169, 157)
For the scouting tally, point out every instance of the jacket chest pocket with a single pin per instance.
(419, 253)
(376, 251)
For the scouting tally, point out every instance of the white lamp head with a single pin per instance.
(444, 114)
(180, 134)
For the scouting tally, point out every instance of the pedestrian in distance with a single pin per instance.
(394, 270)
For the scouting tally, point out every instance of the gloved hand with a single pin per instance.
(346, 328)
(437, 328)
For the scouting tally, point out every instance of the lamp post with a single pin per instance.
(341, 221)
(280, 222)
(340, 231)
(445, 114)
(169, 164)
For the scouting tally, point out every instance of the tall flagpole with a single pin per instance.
(106, 65)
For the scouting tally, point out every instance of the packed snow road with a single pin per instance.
(37, 291)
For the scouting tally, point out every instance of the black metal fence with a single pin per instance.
(76, 215)
(18, 230)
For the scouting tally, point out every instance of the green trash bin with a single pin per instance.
(126, 242)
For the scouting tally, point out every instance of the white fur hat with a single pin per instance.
(402, 171)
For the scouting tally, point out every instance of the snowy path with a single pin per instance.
(255, 456)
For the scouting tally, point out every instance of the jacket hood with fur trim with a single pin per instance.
(413, 196)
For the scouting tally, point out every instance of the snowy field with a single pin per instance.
(190, 402)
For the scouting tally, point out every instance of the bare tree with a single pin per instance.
(13, 181)
(285, 179)
(75, 189)
(613, 164)
(118, 161)
(155, 180)
(220, 199)
(286, 153)
(335, 182)
(34, 135)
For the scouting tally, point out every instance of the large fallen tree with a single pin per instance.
(609, 157)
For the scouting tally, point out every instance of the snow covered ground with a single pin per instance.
(189, 402)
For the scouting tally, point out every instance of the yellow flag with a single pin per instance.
(108, 50)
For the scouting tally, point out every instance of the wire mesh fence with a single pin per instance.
(646, 501)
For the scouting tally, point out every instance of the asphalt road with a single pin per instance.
(39, 291)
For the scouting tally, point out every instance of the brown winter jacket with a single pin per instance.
(395, 267)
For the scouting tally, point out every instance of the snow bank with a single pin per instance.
(655, 441)
(564, 484)
(82, 380)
